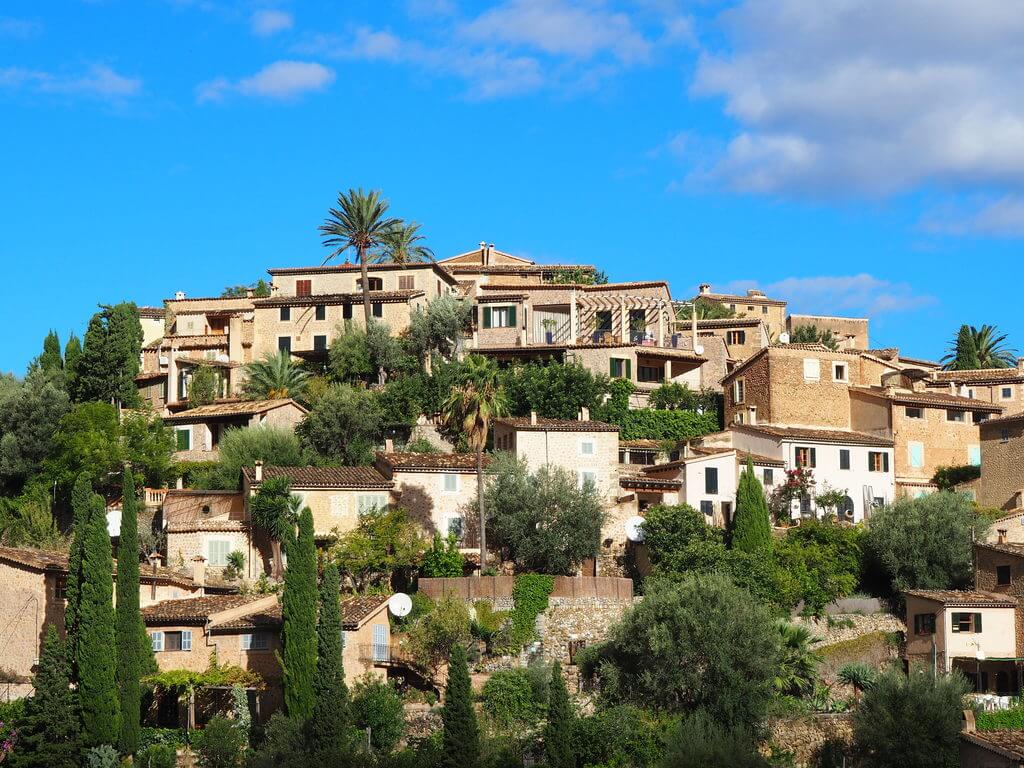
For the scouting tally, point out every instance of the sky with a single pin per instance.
(854, 157)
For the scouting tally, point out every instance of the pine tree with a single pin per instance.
(328, 727)
(49, 736)
(81, 504)
(460, 737)
(752, 530)
(299, 609)
(109, 362)
(96, 650)
(558, 731)
(129, 619)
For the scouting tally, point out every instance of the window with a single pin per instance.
(586, 447)
(171, 641)
(377, 309)
(375, 283)
(284, 343)
(1004, 435)
(878, 461)
(407, 283)
(914, 413)
(320, 343)
(878, 502)
(217, 551)
(1003, 575)
(586, 477)
(650, 373)
(974, 455)
(1006, 393)
(840, 372)
(285, 314)
(157, 640)
(60, 587)
(764, 310)
(303, 287)
(769, 476)
(455, 527)
(844, 458)
(954, 416)
(619, 368)
(183, 439)
(967, 623)
(603, 321)
(711, 480)
(739, 391)
(924, 624)
(735, 337)
(256, 641)
(346, 311)
(450, 482)
(321, 312)
(915, 454)
(500, 317)
(805, 505)
(370, 502)
(380, 642)
(806, 457)
(812, 369)
(707, 508)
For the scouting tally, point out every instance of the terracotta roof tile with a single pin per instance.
(1008, 548)
(818, 435)
(723, 322)
(194, 610)
(980, 375)
(641, 481)
(930, 399)
(733, 299)
(388, 297)
(963, 598)
(642, 444)
(524, 424)
(354, 611)
(152, 313)
(1005, 742)
(1009, 418)
(230, 408)
(414, 461)
(324, 477)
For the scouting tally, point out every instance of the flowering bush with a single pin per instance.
(799, 483)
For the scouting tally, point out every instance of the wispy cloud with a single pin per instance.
(862, 294)
(1002, 217)
(268, 22)
(99, 81)
(281, 81)
(20, 28)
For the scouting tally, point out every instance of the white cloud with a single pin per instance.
(99, 81)
(862, 295)
(1002, 217)
(282, 80)
(869, 98)
(269, 22)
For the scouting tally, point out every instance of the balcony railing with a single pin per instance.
(383, 654)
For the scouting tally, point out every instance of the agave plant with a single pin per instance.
(275, 376)
(858, 675)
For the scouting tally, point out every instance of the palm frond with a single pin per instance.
(360, 222)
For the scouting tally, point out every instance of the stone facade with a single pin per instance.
(576, 621)
(987, 560)
(345, 278)
(849, 332)
(1002, 463)
(807, 737)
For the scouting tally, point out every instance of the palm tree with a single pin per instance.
(858, 675)
(798, 664)
(472, 404)
(275, 376)
(981, 347)
(358, 222)
(402, 245)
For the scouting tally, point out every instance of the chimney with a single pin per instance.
(389, 445)
(179, 295)
(686, 450)
(704, 288)
(259, 470)
(199, 573)
(752, 415)
(1001, 533)
(584, 414)
(533, 418)
(483, 252)
(154, 562)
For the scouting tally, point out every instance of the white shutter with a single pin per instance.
(157, 639)
(246, 642)
(812, 369)
(186, 640)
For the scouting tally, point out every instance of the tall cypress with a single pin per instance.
(72, 351)
(129, 619)
(49, 735)
(298, 605)
(460, 735)
(967, 356)
(558, 731)
(81, 505)
(752, 531)
(96, 649)
(328, 727)
(51, 360)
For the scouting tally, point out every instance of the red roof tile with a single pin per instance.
(524, 424)
(324, 477)
(414, 461)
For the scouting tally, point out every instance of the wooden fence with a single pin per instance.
(491, 587)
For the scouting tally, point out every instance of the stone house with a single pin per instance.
(33, 583)
(198, 430)
(929, 429)
(245, 631)
(1001, 484)
(487, 264)
(754, 304)
(743, 336)
(849, 332)
(1003, 748)
(153, 321)
(1001, 386)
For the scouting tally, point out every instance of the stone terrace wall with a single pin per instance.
(806, 736)
(497, 587)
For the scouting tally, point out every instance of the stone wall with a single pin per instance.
(807, 737)
(585, 620)
(861, 625)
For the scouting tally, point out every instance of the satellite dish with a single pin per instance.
(699, 349)
(400, 604)
(635, 528)
(783, 338)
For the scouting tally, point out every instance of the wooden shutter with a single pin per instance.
(511, 317)
(629, 369)
(814, 458)
(487, 317)
(885, 463)
(977, 622)
(303, 287)
(184, 440)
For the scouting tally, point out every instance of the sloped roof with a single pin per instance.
(414, 461)
(524, 424)
(227, 408)
(194, 610)
(1005, 742)
(980, 375)
(197, 610)
(963, 599)
(191, 510)
(816, 435)
(355, 297)
(736, 299)
(930, 399)
(323, 477)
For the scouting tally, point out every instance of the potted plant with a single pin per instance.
(549, 324)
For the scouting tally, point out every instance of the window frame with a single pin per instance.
(768, 476)
(178, 432)
(924, 624)
(320, 342)
(811, 461)
(304, 287)
(247, 642)
(320, 312)
(707, 508)
(883, 461)
(284, 344)
(844, 458)
(711, 481)
(1000, 570)
(836, 366)
(1003, 393)
(284, 314)
(445, 477)
(735, 338)
(919, 410)
(811, 362)
(584, 443)
(957, 417)
(209, 547)
(965, 623)
(739, 391)
(920, 449)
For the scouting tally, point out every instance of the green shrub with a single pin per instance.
(378, 706)
(650, 424)
(220, 744)
(621, 736)
(509, 701)
(172, 737)
(11, 711)
(1003, 719)
(443, 559)
(530, 593)
(157, 756)
(486, 621)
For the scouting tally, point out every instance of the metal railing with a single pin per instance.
(383, 654)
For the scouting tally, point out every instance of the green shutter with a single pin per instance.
(611, 367)
(629, 369)
(184, 440)
(511, 317)
(487, 317)
(814, 457)
(977, 622)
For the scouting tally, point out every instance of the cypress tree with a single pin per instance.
(109, 362)
(967, 356)
(328, 727)
(460, 737)
(752, 531)
(72, 351)
(298, 606)
(558, 731)
(49, 736)
(96, 649)
(81, 504)
(129, 619)
(51, 360)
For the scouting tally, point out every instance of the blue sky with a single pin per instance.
(861, 158)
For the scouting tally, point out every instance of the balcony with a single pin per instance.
(384, 655)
